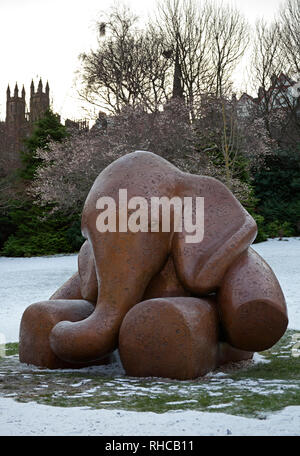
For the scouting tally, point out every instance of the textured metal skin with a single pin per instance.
(252, 306)
(228, 354)
(87, 273)
(118, 270)
(177, 338)
(70, 289)
(37, 323)
(126, 262)
(165, 284)
(170, 337)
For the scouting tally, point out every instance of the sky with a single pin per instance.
(43, 39)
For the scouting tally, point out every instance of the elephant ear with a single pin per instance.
(228, 230)
(87, 273)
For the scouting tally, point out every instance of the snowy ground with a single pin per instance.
(27, 280)
(30, 419)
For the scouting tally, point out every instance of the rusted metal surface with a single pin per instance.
(252, 306)
(119, 271)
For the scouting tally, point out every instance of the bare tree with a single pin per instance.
(233, 143)
(290, 33)
(84, 155)
(188, 50)
(206, 41)
(230, 36)
(187, 40)
(128, 67)
(266, 62)
(271, 73)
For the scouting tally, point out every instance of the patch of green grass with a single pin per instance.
(248, 389)
(11, 349)
(282, 365)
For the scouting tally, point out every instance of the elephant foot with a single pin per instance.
(170, 337)
(252, 306)
(37, 323)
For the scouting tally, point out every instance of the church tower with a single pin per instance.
(39, 101)
(15, 122)
(15, 107)
(19, 123)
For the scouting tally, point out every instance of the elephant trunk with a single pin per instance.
(122, 280)
(87, 340)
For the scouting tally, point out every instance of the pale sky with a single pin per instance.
(43, 38)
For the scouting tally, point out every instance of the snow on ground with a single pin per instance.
(28, 280)
(32, 419)
(284, 258)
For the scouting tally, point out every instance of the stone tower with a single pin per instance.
(19, 123)
(39, 101)
(15, 122)
(15, 106)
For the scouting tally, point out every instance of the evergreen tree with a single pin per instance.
(47, 128)
(31, 229)
(277, 187)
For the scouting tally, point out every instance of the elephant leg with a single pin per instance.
(166, 284)
(36, 325)
(174, 337)
(125, 263)
(252, 306)
(170, 337)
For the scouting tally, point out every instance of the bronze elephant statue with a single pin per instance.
(223, 293)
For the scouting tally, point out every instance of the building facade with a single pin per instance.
(283, 94)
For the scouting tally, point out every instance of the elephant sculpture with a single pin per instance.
(174, 308)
